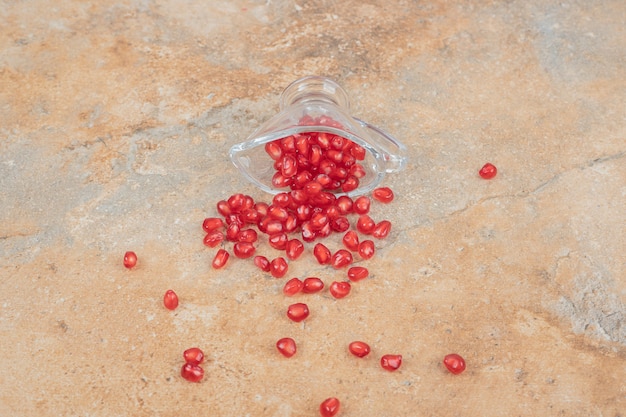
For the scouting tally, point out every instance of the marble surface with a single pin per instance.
(115, 123)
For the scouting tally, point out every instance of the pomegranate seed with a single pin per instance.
(350, 184)
(312, 188)
(274, 226)
(278, 267)
(357, 151)
(367, 249)
(454, 363)
(212, 223)
(220, 259)
(304, 212)
(277, 213)
(340, 224)
(357, 273)
(286, 346)
(359, 349)
(262, 263)
(170, 300)
(192, 373)
(261, 209)
(351, 240)
(329, 407)
(308, 234)
(382, 229)
(365, 224)
(383, 195)
(194, 356)
(318, 221)
(291, 223)
(341, 258)
(322, 254)
(292, 287)
(223, 208)
(298, 312)
(488, 171)
(243, 250)
(358, 171)
(232, 232)
(340, 289)
(278, 241)
(289, 165)
(391, 362)
(294, 249)
(248, 235)
(274, 150)
(130, 259)
(312, 285)
(345, 204)
(214, 238)
(236, 202)
(361, 205)
(250, 216)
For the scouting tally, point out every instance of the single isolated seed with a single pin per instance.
(192, 372)
(383, 195)
(212, 223)
(322, 253)
(488, 171)
(298, 312)
(329, 407)
(286, 346)
(391, 362)
(340, 289)
(220, 259)
(194, 356)
(357, 273)
(170, 300)
(359, 349)
(130, 259)
(454, 363)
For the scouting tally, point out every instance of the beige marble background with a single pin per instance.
(115, 122)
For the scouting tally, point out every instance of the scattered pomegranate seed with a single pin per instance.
(365, 224)
(382, 229)
(454, 363)
(294, 249)
(298, 312)
(321, 253)
(391, 362)
(278, 267)
(262, 263)
(351, 240)
(340, 289)
(286, 346)
(130, 259)
(214, 238)
(192, 373)
(212, 223)
(170, 300)
(220, 259)
(383, 195)
(357, 273)
(360, 349)
(194, 356)
(345, 204)
(361, 205)
(243, 250)
(329, 407)
(341, 258)
(367, 249)
(312, 285)
(278, 241)
(293, 286)
(488, 171)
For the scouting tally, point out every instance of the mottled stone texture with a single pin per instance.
(115, 123)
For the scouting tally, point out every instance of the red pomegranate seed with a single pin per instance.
(170, 300)
(345, 204)
(321, 253)
(318, 221)
(236, 202)
(358, 171)
(278, 241)
(357, 151)
(454, 363)
(340, 289)
(361, 205)
(357, 273)
(488, 171)
(341, 258)
(292, 287)
(277, 213)
(250, 216)
(262, 263)
(274, 226)
(278, 267)
(274, 150)
(289, 165)
(329, 407)
(391, 362)
(232, 232)
(192, 373)
(294, 249)
(312, 285)
(223, 208)
(248, 235)
(367, 249)
(351, 240)
(212, 223)
(340, 224)
(220, 259)
(291, 223)
(350, 184)
(308, 234)
(298, 312)
(365, 224)
(214, 238)
(382, 229)
(312, 188)
(383, 195)
(286, 346)
(243, 250)
(359, 349)
(261, 208)
(194, 356)
(130, 259)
